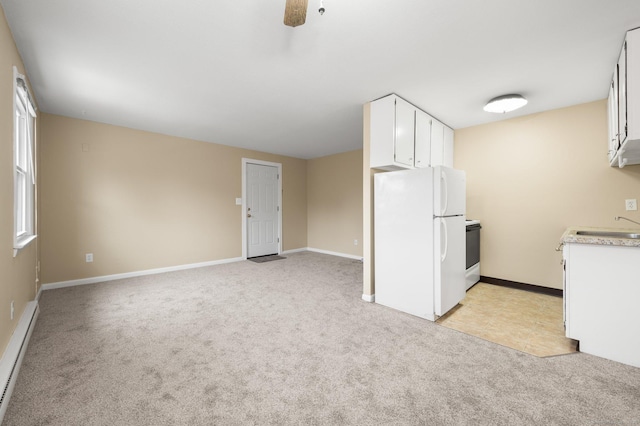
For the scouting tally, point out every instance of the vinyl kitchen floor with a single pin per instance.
(522, 320)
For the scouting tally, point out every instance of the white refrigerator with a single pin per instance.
(419, 237)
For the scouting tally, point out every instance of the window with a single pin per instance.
(24, 164)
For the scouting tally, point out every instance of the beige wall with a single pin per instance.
(140, 200)
(530, 178)
(17, 274)
(334, 203)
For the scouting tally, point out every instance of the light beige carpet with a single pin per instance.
(288, 342)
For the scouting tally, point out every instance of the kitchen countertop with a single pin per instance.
(571, 236)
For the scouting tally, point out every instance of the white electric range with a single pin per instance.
(472, 273)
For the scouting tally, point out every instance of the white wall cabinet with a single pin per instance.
(441, 145)
(447, 155)
(404, 133)
(402, 136)
(624, 104)
(601, 293)
(423, 139)
(612, 109)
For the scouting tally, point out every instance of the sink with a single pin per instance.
(609, 234)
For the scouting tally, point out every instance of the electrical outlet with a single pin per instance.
(88, 257)
(355, 242)
(12, 309)
(631, 204)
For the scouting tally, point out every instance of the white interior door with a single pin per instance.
(262, 210)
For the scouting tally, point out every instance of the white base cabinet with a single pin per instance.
(402, 136)
(601, 296)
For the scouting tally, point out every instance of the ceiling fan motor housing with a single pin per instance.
(295, 12)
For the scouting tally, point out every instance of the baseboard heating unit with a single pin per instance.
(12, 359)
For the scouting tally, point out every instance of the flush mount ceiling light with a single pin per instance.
(505, 103)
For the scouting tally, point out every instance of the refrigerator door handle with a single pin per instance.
(443, 254)
(445, 189)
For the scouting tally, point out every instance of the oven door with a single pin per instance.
(473, 244)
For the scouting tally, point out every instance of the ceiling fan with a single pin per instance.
(295, 12)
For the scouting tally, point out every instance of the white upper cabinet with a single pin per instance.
(382, 127)
(448, 147)
(402, 136)
(441, 145)
(612, 109)
(437, 143)
(624, 104)
(622, 94)
(423, 139)
(405, 133)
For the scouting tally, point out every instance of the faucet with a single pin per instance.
(626, 218)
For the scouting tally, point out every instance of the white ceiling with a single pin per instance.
(230, 72)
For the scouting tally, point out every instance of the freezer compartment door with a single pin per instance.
(449, 191)
(449, 272)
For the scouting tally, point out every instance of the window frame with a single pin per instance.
(24, 173)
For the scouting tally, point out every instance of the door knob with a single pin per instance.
(248, 214)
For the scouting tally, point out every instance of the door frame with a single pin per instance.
(243, 212)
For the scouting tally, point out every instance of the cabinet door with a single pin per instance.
(447, 147)
(405, 132)
(382, 132)
(612, 108)
(622, 95)
(423, 139)
(565, 291)
(437, 143)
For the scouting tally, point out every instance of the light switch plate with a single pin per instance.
(631, 204)
(238, 201)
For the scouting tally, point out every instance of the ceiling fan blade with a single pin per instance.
(295, 12)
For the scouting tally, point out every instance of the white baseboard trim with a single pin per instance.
(298, 250)
(369, 298)
(103, 278)
(335, 253)
(39, 294)
(13, 355)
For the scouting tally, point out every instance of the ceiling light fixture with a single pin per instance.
(505, 103)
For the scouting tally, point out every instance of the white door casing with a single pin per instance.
(261, 208)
